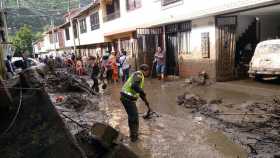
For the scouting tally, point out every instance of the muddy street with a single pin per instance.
(178, 133)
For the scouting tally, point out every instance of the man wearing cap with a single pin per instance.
(131, 91)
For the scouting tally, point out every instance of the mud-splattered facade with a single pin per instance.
(209, 42)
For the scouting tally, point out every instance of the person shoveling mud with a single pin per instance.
(132, 89)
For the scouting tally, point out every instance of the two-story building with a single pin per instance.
(196, 35)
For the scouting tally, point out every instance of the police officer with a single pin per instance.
(131, 91)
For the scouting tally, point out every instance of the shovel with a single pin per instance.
(150, 115)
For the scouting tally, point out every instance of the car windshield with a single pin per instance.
(269, 48)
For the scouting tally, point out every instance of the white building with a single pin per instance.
(197, 35)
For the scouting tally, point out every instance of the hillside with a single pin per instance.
(38, 13)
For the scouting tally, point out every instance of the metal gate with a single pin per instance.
(148, 39)
(173, 40)
(226, 31)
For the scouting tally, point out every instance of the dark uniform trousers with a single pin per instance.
(132, 112)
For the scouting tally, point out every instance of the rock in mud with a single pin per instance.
(190, 100)
(101, 141)
(105, 134)
(200, 80)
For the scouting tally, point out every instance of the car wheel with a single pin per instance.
(259, 77)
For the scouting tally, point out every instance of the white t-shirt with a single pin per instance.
(123, 61)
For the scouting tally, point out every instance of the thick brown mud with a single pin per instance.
(253, 123)
(177, 133)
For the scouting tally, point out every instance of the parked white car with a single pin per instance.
(17, 63)
(266, 60)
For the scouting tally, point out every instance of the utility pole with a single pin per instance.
(3, 16)
(18, 4)
(54, 36)
(71, 26)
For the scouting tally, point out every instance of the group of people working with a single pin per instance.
(112, 67)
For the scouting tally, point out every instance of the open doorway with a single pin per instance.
(251, 27)
(177, 40)
(148, 39)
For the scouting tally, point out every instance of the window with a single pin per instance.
(183, 32)
(184, 42)
(83, 26)
(167, 2)
(67, 34)
(53, 38)
(133, 4)
(94, 21)
(205, 48)
(112, 10)
(75, 30)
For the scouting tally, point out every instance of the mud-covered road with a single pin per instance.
(177, 133)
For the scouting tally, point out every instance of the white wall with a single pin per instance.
(200, 26)
(92, 36)
(152, 13)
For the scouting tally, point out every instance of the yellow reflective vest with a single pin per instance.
(127, 88)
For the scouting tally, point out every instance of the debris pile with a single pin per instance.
(103, 141)
(40, 131)
(200, 80)
(254, 125)
(62, 81)
(78, 102)
(37, 129)
(189, 100)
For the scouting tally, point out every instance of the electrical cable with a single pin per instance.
(19, 88)
(15, 117)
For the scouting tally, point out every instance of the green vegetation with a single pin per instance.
(22, 41)
(37, 13)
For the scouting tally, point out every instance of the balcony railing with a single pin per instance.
(112, 16)
(167, 2)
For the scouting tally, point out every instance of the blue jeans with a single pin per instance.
(125, 74)
(160, 68)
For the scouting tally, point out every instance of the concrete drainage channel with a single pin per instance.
(40, 131)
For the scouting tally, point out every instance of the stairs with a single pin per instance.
(249, 36)
(242, 61)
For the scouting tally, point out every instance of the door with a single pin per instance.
(148, 39)
(226, 31)
(172, 54)
(175, 44)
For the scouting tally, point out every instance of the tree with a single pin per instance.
(23, 40)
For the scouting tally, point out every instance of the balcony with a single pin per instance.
(112, 16)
